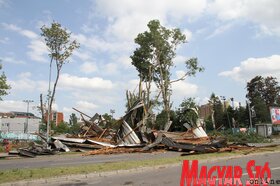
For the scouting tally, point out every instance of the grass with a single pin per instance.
(37, 173)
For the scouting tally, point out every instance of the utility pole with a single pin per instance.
(26, 127)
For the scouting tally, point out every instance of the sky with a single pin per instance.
(234, 40)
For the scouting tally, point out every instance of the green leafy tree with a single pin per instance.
(186, 114)
(62, 128)
(209, 124)
(154, 57)
(267, 89)
(261, 109)
(4, 87)
(161, 120)
(58, 41)
(262, 94)
(73, 120)
(74, 126)
(110, 122)
(242, 117)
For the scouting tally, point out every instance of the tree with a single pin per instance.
(265, 88)
(263, 93)
(154, 57)
(73, 120)
(261, 109)
(186, 113)
(61, 128)
(4, 87)
(110, 122)
(161, 120)
(229, 117)
(217, 111)
(61, 47)
(74, 126)
(242, 116)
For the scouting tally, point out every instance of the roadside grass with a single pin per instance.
(37, 173)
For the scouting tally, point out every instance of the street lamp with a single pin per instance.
(26, 127)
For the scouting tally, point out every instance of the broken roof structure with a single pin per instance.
(131, 136)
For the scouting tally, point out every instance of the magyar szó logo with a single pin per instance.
(225, 175)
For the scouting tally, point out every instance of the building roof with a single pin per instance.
(16, 114)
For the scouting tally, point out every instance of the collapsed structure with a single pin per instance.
(132, 135)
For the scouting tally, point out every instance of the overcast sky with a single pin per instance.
(234, 40)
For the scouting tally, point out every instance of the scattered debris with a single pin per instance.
(126, 135)
(132, 136)
(27, 153)
(61, 146)
(36, 149)
(109, 150)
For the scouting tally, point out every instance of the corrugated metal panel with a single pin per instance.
(101, 143)
(74, 140)
(128, 136)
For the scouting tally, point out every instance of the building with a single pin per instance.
(205, 111)
(19, 122)
(19, 125)
(56, 117)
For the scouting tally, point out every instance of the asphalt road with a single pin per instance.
(77, 159)
(163, 175)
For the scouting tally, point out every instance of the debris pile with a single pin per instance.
(91, 127)
(33, 150)
(131, 136)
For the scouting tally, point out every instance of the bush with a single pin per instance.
(240, 137)
(209, 125)
(61, 128)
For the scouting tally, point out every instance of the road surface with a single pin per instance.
(163, 175)
(77, 159)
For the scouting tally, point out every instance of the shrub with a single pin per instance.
(240, 137)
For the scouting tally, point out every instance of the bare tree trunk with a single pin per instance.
(164, 88)
(213, 120)
(54, 88)
(42, 109)
(128, 100)
(148, 88)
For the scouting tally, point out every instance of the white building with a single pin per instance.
(19, 125)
